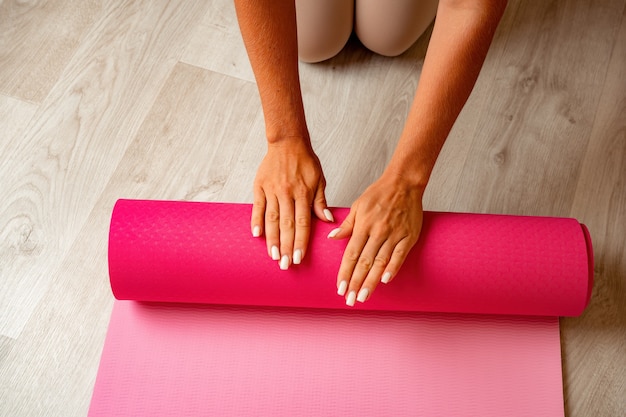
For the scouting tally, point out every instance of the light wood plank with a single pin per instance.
(217, 44)
(38, 38)
(55, 175)
(594, 345)
(196, 131)
(49, 370)
(14, 117)
(15, 233)
(529, 144)
(6, 344)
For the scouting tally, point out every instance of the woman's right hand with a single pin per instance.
(289, 185)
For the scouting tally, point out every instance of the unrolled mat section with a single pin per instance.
(205, 323)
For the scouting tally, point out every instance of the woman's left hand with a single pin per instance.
(384, 223)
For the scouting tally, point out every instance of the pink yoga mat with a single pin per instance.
(211, 326)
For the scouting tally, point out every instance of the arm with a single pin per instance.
(461, 38)
(289, 180)
(385, 222)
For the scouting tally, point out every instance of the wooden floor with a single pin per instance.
(155, 99)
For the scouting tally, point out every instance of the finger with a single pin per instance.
(373, 278)
(351, 257)
(320, 207)
(303, 229)
(398, 256)
(343, 231)
(364, 264)
(287, 231)
(258, 212)
(272, 234)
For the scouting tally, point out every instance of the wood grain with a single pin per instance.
(53, 178)
(14, 118)
(49, 370)
(217, 44)
(356, 104)
(37, 39)
(594, 345)
(196, 131)
(155, 99)
(526, 154)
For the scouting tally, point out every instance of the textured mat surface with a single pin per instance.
(254, 340)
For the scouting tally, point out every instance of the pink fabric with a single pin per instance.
(266, 342)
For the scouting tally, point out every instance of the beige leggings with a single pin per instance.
(387, 27)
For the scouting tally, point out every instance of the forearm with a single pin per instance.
(460, 40)
(268, 28)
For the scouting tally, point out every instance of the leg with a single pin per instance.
(391, 27)
(324, 27)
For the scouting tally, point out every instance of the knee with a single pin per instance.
(390, 28)
(322, 47)
(324, 27)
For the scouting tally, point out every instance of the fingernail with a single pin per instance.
(329, 215)
(351, 298)
(284, 262)
(363, 295)
(343, 286)
(256, 232)
(386, 277)
(334, 232)
(275, 253)
(297, 257)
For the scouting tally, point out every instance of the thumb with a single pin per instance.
(345, 230)
(320, 207)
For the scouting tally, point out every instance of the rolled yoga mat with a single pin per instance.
(211, 326)
(463, 263)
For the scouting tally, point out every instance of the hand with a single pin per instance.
(383, 225)
(289, 182)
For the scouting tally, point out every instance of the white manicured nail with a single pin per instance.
(343, 286)
(297, 257)
(284, 262)
(363, 295)
(351, 299)
(329, 215)
(275, 253)
(386, 278)
(256, 232)
(334, 232)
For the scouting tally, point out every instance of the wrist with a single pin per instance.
(285, 120)
(293, 141)
(286, 132)
(409, 170)
(415, 155)
(400, 179)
